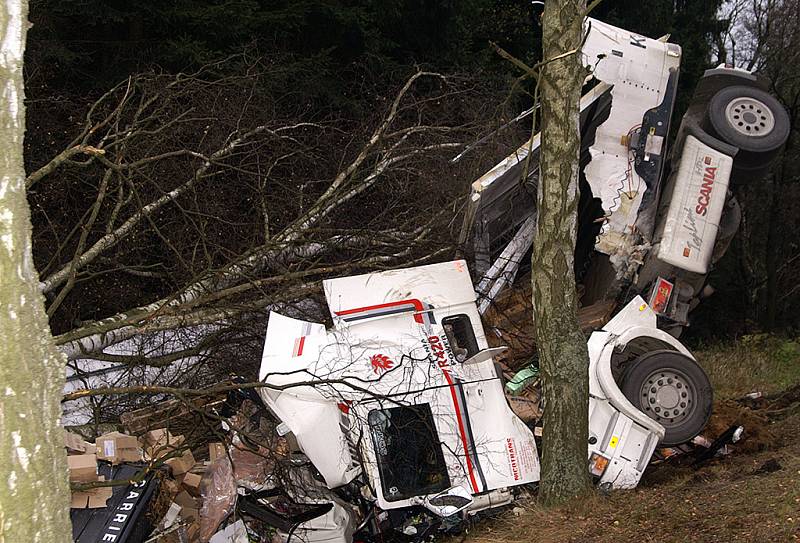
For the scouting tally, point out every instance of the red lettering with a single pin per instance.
(512, 457)
(705, 191)
(438, 350)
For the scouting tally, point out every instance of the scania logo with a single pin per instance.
(709, 174)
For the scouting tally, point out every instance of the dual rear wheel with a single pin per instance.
(672, 389)
(752, 120)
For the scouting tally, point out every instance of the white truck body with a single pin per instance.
(390, 349)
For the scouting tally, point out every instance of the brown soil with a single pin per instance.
(753, 494)
(758, 435)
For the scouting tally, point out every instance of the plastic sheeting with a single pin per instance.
(220, 481)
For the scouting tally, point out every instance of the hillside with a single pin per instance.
(753, 494)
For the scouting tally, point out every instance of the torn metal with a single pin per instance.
(647, 214)
(402, 403)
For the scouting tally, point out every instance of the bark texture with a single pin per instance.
(34, 492)
(563, 356)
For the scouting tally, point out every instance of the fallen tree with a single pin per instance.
(216, 212)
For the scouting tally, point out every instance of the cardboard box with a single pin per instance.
(184, 499)
(191, 482)
(161, 437)
(181, 464)
(215, 450)
(170, 486)
(190, 514)
(117, 447)
(93, 498)
(88, 448)
(190, 507)
(75, 444)
(159, 442)
(193, 533)
(82, 468)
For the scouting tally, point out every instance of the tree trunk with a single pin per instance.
(563, 357)
(773, 249)
(775, 238)
(34, 493)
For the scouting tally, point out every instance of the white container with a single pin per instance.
(690, 230)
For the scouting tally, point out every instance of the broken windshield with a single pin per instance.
(408, 450)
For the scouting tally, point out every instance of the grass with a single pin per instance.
(756, 363)
(732, 499)
(726, 502)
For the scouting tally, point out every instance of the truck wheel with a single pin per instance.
(673, 390)
(750, 119)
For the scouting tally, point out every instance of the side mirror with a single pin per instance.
(449, 502)
(484, 355)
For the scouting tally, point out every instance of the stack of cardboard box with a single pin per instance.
(187, 500)
(82, 458)
(116, 447)
(83, 469)
(183, 487)
(159, 443)
(181, 464)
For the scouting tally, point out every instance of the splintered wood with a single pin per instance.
(180, 416)
(509, 322)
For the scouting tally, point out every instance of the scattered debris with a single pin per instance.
(774, 406)
(396, 420)
(757, 434)
(522, 380)
(719, 445)
(770, 466)
(180, 416)
(233, 533)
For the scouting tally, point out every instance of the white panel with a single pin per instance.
(698, 199)
(638, 68)
(634, 445)
(440, 285)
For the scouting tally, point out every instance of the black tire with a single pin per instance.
(750, 119)
(673, 390)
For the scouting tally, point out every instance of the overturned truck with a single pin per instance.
(398, 412)
(402, 405)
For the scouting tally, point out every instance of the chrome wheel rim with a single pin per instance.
(750, 117)
(668, 396)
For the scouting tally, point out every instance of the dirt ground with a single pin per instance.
(751, 495)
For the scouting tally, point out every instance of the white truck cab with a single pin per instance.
(404, 389)
(402, 397)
